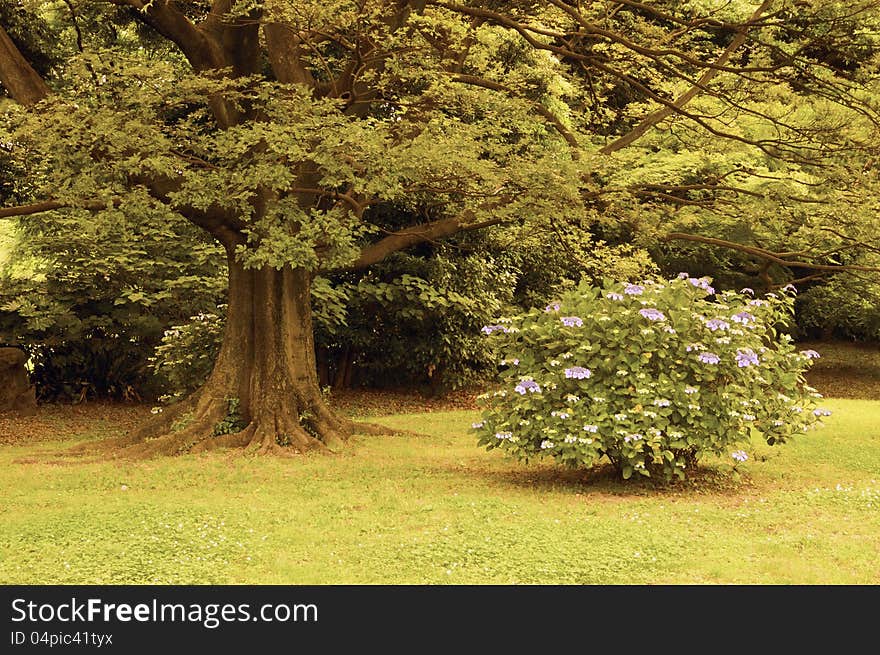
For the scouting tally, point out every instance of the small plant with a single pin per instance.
(649, 376)
(182, 422)
(233, 421)
(305, 420)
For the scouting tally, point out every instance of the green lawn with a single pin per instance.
(437, 510)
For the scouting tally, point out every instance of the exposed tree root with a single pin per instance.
(191, 426)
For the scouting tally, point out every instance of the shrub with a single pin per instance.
(186, 355)
(649, 376)
(838, 309)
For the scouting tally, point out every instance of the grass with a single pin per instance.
(437, 510)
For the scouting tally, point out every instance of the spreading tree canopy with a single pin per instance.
(284, 129)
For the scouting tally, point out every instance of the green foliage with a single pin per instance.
(185, 356)
(838, 309)
(233, 421)
(414, 319)
(652, 376)
(182, 422)
(90, 301)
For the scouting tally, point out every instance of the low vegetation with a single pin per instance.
(435, 509)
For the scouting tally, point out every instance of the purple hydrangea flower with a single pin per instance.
(717, 324)
(812, 354)
(527, 385)
(747, 290)
(572, 321)
(552, 307)
(662, 402)
(746, 357)
(757, 302)
(503, 435)
(489, 329)
(739, 455)
(591, 428)
(743, 317)
(477, 426)
(821, 412)
(790, 287)
(690, 390)
(702, 283)
(708, 358)
(652, 314)
(634, 289)
(614, 296)
(683, 276)
(578, 373)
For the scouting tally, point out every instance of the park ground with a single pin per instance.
(433, 508)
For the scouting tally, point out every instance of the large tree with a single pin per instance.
(283, 129)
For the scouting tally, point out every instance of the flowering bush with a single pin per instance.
(186, 355)
(651, 376)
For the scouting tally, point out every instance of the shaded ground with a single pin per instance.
(113, 419)
(62, 421)
(845, 370)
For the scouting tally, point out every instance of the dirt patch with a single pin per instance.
(53, 422)
(845, 370)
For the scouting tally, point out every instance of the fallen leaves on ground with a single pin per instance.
(106, 419)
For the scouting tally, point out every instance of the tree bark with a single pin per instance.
(22, 82)
(263, 392)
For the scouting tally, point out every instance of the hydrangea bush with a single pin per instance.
(650, 376)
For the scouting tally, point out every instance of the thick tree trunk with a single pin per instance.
(263, 392)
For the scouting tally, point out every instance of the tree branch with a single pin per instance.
(411, 236)
(164, 17)
(768, 255)
(656, 117)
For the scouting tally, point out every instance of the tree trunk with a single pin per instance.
(263, 392)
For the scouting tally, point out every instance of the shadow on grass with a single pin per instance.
(605, 479)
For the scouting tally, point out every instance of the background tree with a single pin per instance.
(283, 131)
